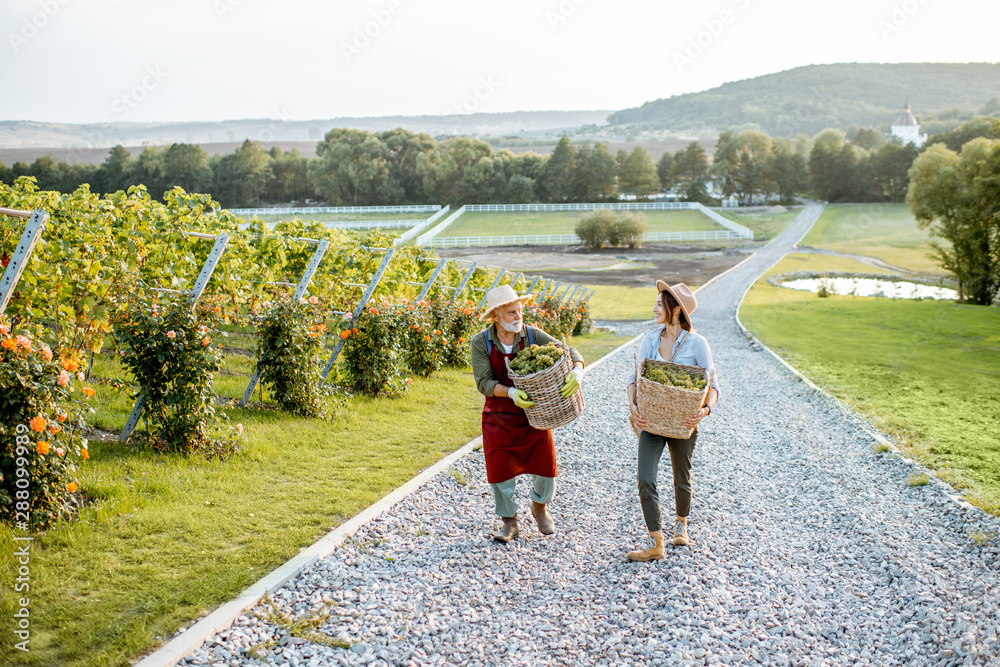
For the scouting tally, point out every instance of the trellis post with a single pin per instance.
(199, 287)
(19, 260)
(496, 281)
(372, 284)
(534, 282)
(434, 276)
(465, 281)
(303, 285)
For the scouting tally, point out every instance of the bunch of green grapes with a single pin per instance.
(535, 358)
(675, 377)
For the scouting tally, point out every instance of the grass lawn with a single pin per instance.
(886, 231)
(165, 538)
(765, 225)
(614, 302)
(564, 222)
(928, 372)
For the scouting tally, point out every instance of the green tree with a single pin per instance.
(892, 165)
(663, 170)
(349, 168)
(113, 174)
(557, 179)
(291, 177)
(790, 170)
(186, 165)
(594, 175)
(637, 175)
(690, 172)
(957, 196)
(241, 177)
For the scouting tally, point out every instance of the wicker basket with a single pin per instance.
(551, 410)
(666, 407)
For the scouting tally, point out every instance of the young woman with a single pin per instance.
(673, 340)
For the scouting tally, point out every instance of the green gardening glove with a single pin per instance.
(572, 383)
(520, 398)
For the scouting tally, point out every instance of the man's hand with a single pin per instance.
(520, 398)
(572, 383)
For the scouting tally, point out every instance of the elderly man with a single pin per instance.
(511, 445)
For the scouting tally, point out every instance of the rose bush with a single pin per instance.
(42, 422)
(167, 347)
(373, 346)
(289, 348)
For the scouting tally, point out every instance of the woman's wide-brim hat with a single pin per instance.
(501, 296)
(684, 296)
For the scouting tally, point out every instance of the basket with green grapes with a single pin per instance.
(540, 371)
(667, 393)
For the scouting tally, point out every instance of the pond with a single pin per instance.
(891, 289)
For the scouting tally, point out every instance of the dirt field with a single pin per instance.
(610, 266)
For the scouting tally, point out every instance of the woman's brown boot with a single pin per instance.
(508, 531)
(643, 555)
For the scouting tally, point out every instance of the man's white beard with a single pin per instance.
(511, 328)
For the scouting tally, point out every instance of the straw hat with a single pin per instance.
(684, 296)
(501, 296)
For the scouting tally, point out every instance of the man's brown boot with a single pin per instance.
(508, 531)
(643, 555)
(681, 532)
(543, 518)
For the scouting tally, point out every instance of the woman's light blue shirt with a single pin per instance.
(693, 351)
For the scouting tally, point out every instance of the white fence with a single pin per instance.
(564, 239)
(416, 229)
(415, 208)
(430, 238)
(372, 224)
(550, 208)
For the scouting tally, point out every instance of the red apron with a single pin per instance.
(511, 445)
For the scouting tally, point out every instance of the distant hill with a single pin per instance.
(809, 99)
(527, 124)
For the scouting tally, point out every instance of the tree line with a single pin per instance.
(359, 168)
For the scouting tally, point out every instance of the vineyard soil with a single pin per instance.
(610, 266)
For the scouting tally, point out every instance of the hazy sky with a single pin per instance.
(87, 61)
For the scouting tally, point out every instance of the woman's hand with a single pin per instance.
(638, 421)
(692, 422)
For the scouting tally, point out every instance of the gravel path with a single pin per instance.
(807, 548)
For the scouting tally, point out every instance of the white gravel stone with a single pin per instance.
(807, 548)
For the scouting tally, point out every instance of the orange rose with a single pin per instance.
(54, 429)
(205, 341)
(38, 423)
(345, 333)
(9, 343)
(410, 307)
(72, 487)
(62, 417)
(354, 331)
(63, 379)
(84, 454)
(46, 353)
(88, 391)
(468, 311)
(427, 337)
(461, 340)
(70, 365)
(42, 447)
(24, 342)
(374, 311)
